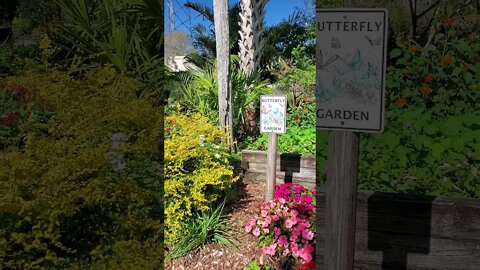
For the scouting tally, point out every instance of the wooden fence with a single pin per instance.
(411, 232)
(292, 167)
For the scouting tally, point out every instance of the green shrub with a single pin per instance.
(63, 204)
(197, 170)
(421, 154)
(300, 136)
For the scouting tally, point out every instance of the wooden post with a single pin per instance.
(342, 166)
(220, 12)
(271, 166)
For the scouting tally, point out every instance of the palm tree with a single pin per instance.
(252, 27)
(204, 36)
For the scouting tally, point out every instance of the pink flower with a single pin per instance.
(282, 240)
(290, 222)
(295, 234)
(294, 247)
(266, 230)
(256, 232)
(307, 235)
(268, 220)
(277, 231)
(306, 198)
(286, 252)
(269, 250)
(306, 252)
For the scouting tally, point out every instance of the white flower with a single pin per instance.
(216, 146)
(202, 144)
(217, 155)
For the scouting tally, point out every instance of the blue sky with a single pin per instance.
(276, 11)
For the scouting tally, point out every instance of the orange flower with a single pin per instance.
(305, 99)
(446, 60)
(298, 120)
(448, 21)
(400, 101)
(414, 49)
(428, 78)
(305, 111)
(425, 89)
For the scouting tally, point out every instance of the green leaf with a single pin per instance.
(430, 129)
(467, 76)
(391, 139)
(395, 53)
(458, 144)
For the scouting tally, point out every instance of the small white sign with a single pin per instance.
(273, 111)
(351, 61)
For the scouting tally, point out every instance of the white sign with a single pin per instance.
(273, 111)
(351, 61)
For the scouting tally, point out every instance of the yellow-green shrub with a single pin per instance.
(197, 171)
(62, 204)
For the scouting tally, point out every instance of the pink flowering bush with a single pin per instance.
(285, 226)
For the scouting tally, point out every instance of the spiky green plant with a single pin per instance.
(209, 227)
(127, 34)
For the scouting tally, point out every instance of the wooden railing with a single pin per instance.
(290, 167)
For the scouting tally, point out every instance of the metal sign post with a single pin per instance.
(273, 111)
(351, 61)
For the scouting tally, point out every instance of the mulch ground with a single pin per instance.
(248, 195)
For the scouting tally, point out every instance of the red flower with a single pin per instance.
(425, 89)
(171, 122)
(428, 78)
(446, 60)
(23, 94)
(414, 49)
(260, 146)
(448, 21)
(400, 101)
(168, 129)
(10, 119)
(307, 266)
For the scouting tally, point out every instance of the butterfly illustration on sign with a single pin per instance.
(335, 43)
(353, 91)
(264, 109)
(321, 64)
(371, 78)
(349, 66)
(374, 42)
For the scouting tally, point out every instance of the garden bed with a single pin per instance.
(249, 194)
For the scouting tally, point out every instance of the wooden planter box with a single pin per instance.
(294, 168)
(410, 232)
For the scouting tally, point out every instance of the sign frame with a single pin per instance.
(284, 113)
(342, 126)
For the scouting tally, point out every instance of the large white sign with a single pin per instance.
(351, 61)
(273, 111)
